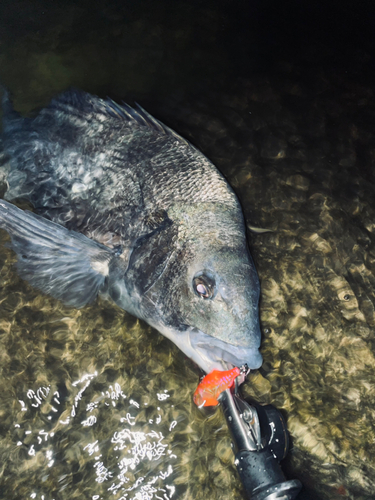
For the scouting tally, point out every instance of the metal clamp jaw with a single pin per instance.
(260, 441)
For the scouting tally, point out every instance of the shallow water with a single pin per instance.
(96, 404)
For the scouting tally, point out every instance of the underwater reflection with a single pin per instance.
(132, 460)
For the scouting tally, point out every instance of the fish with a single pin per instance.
(212, 385)
(125, 208)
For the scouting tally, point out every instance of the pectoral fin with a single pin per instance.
(60, 262)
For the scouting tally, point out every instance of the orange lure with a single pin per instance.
(212, 385)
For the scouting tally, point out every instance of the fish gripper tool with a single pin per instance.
(260, 441)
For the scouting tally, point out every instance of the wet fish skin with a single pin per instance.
(127, 208)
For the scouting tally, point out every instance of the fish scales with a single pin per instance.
(126, 208)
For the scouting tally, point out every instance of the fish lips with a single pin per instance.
(217, 354)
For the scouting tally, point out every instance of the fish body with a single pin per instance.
(213, 384)
(126, 208)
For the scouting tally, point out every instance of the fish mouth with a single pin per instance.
(210, 353)
(214, 354)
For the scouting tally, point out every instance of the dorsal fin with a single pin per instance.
(141, 117)
(76, 102)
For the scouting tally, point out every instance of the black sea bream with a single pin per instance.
(128, 209)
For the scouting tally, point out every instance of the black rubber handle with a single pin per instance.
(262, 477)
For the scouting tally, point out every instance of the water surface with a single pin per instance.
(94, 403)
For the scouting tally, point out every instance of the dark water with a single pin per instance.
(280, 96)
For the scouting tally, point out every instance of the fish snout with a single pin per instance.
(215, 354)
(254, 359)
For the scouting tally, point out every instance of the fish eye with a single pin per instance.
(204, 286)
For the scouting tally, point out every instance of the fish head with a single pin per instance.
(206, 293)
(223, 313)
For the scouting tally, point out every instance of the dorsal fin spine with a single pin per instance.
(142, 117)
